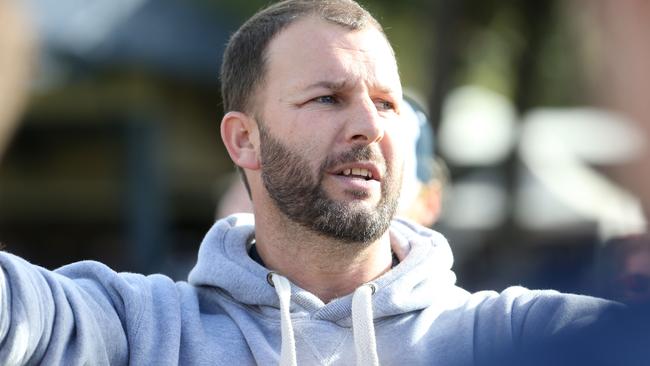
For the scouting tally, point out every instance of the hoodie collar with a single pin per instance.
(424, 270)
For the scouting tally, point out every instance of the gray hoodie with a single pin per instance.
(230, 313)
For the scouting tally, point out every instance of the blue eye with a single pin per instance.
(384, 105)
(326, 99)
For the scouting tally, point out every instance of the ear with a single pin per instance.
(240, 136)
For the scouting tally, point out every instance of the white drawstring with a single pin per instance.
(362, 323)
(363, 326)
(283, 289)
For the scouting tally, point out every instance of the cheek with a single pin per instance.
(309, 149)
(315, 143)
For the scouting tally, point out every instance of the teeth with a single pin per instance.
(358, 172)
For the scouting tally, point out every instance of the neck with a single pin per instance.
(326, 267)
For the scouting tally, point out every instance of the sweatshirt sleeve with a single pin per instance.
(519, 323)
(80, 314)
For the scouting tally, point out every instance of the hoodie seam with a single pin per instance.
(326, 360)
(255, 309)
(271, 320)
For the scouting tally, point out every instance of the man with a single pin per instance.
(422, 182)
(320, 274)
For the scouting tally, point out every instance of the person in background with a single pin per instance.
(16, 66)
(234, 199)
(623, 269)
(424, 175)
(322, 272)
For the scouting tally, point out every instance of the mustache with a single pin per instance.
(355, 154)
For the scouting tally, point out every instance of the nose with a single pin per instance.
(364, 125)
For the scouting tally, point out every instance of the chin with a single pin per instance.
(358, 199)
(362, 208)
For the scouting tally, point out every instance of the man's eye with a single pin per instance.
(326, 99)
(384, 105)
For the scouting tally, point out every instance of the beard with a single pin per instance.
(300, 196)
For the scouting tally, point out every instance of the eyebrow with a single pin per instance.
(330, 85)
(338, 86)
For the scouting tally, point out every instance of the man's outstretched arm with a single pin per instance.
(48, 318)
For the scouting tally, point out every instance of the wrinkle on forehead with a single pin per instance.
(315, 53)
(337, 85)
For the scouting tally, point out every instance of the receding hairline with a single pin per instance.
(315, 16)
(244, 62)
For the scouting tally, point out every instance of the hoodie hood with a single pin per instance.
(424, 269)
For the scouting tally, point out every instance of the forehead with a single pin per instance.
(313, 49)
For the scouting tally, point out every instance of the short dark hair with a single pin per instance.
(244, 64)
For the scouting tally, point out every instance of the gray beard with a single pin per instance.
(287, 177)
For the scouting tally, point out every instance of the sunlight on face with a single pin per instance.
(329, 122)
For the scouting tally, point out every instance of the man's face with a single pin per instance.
(328, 120)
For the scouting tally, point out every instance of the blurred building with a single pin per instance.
(118, 154)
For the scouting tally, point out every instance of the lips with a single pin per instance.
(366, 171)
(358, 172)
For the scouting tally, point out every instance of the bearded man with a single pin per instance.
(321, 273)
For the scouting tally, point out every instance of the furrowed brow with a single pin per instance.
(330, 85)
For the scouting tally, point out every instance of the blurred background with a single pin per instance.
(538, 110)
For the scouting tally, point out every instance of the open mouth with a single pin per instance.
(359, 173)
